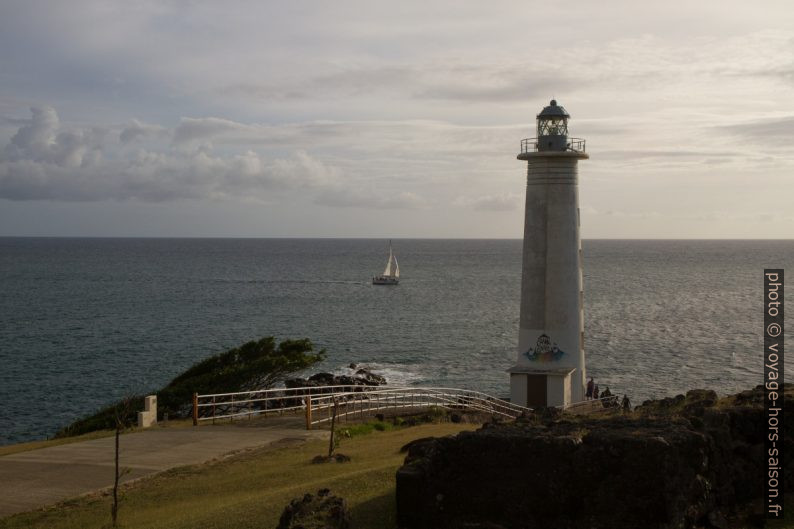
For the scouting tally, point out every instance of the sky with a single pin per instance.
(389, 120)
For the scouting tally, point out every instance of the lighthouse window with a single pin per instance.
(552, 127)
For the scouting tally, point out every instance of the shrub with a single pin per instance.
(253, 365)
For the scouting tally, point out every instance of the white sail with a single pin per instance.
(391, 275)
(387, 272)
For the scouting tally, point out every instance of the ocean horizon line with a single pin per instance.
(317, 238)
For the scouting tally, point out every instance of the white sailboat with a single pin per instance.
(391, 276)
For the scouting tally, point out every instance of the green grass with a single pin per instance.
(363, 429)
(250, 490)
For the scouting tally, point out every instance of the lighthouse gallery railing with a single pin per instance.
(573, 144)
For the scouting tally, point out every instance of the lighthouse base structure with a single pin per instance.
(540, 388)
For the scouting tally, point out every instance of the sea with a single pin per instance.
(86, 321)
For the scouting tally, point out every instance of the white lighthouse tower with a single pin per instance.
(550, 370)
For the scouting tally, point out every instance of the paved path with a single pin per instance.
(29, 480)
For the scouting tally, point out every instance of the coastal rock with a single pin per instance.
(371, 378)
(320, 511)
(678, 463)
(323, 379)
(362, 377)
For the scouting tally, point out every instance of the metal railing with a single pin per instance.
(573, 145)
(317, 403)
(602, 404)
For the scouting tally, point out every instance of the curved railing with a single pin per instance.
(609, 403)
(573, 144)
(317, 403)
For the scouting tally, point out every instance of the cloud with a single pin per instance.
(137, 130)
(44, 162)
(41, 140)
(482, 83)
(357, 198)
(504, 202)
(191, 129)
(764, 130)
(378, 164)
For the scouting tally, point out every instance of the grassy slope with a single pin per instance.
(250, 490)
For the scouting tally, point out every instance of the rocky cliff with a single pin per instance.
(682, 462)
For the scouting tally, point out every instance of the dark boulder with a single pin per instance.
(320, 511)
(336, 458)
(415, 444)
(346, 380)
(362, 378)
(323, 379)
(371, 378)
(293, 383)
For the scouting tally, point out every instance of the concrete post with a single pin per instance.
(148, 417)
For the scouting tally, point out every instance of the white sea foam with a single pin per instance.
(395, 374)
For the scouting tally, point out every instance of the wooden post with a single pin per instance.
(308, 400)
(333, 430)
(195, 409)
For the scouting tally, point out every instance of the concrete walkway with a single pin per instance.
(29, 480)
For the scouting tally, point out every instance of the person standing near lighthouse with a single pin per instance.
(552, 295)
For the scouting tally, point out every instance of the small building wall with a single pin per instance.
(518, 389)
(555, 390)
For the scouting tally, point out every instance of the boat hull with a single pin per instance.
(385, 280)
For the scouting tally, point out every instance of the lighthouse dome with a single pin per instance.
(553, 111)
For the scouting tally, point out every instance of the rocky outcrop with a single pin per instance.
(677, 463)
(320, 511)
(362, 377)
